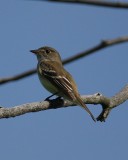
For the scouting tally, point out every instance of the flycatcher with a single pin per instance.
(55, 78)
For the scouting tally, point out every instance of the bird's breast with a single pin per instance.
(46, 83)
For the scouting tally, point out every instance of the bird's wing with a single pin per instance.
(57, 75)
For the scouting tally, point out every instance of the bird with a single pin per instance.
(55, 78)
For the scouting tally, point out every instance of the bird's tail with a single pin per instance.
(81, 103)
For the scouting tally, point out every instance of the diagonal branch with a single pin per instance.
(103, 44)
(101, 3)
(18, 76)
(107, 104)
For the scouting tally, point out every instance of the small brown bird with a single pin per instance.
(55, 78)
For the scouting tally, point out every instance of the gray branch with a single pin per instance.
(107, 104)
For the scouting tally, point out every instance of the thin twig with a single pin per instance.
(107, 103)
(123, 5)
(18, 76)
(102, 45)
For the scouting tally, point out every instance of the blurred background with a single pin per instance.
(67, 133)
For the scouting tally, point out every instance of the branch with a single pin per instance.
(18, 76)
(97, 3)
(107, 104)
(113, 102)
(102, 45)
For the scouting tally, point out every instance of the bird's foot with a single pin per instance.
(48, 98)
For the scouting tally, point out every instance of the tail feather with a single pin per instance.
(81, 103)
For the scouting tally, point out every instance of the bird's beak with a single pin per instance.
(34, 51)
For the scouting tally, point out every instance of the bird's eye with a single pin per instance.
(47, 51)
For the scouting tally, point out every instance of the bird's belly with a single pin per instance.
(48, 85)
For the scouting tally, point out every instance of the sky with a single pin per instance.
(65, 133)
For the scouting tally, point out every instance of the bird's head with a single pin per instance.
(47, 53)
